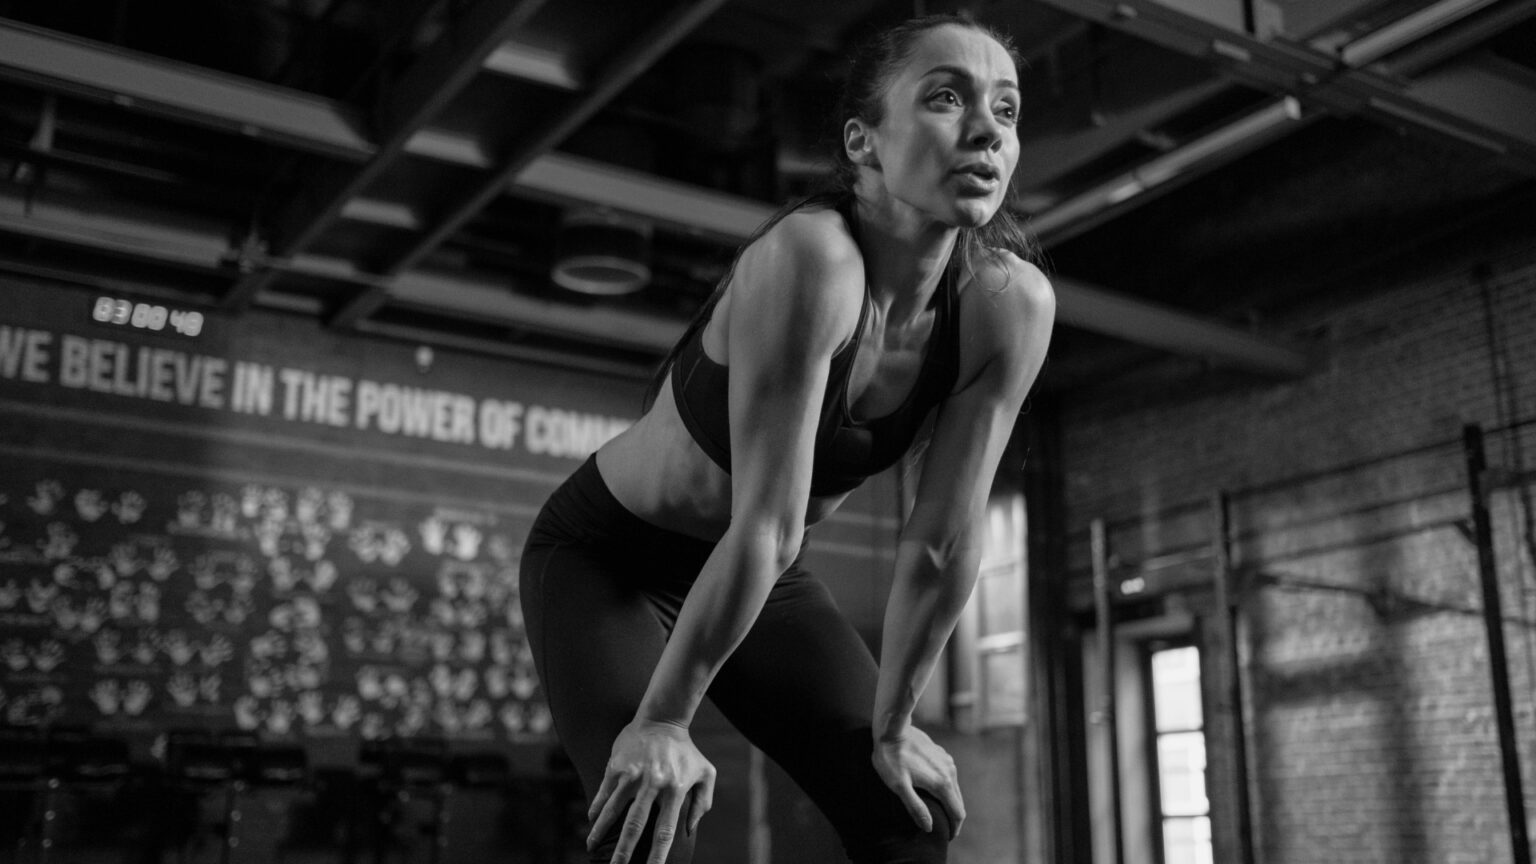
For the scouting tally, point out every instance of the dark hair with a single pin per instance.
(873, 63)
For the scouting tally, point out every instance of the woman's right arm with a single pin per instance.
(793, 300)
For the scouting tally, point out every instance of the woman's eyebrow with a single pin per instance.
(947, 69)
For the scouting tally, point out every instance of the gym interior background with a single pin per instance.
(307, 304)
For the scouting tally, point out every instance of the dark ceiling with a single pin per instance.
(1196, 170)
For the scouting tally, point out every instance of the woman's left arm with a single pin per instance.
(1007, 332)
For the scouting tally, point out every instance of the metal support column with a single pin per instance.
(1493, 616)
(1227, 609)
(1105, 625)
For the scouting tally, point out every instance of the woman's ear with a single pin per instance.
(858, 143)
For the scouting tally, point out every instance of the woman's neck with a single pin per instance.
(905, 255)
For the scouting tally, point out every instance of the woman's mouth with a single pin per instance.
(979, 177)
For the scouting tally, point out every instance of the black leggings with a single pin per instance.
(601, 590)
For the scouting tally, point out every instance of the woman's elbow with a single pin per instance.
(788, 543)
(773, 545)
(946, 550)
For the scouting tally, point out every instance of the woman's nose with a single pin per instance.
(985, 132)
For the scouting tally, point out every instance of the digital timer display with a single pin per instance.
(147, 316)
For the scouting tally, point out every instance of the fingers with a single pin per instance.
(610, 781)
(666, 828)
(701, 799)
(915, 806)
(607, 803)
(634, 825)
(949, 796)
(610, 801)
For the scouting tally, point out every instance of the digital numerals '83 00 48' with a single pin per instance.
(146, 316)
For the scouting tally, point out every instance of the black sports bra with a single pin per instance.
(847, 451)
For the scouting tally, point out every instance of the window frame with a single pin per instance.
(1154, 736)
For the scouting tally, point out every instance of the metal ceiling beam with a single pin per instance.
(103, 226)
(1317, 74)
(310, 124)
(64, 64)
(517, 59)
(1175, 331)
(695, 210)
(623, 70)
(432, 81)
(486, 301)
(158, 236)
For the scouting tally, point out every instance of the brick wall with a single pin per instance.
(1371, 723)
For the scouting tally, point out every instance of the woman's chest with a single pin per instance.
(886, 366)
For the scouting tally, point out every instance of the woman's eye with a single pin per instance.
(945, 97)
(1008, 112)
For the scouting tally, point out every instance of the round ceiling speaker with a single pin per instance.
(602, 253)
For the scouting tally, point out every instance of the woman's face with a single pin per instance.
(947, 146)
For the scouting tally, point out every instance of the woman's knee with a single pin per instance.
(906, 843)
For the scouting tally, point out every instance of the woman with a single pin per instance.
(667, 567)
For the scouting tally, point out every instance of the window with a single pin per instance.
(1179, 720)
(998, 604)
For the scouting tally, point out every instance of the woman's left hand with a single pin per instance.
(910, 761)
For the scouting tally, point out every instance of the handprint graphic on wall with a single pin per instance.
(129, 508)
(46, 497)
(189, 509)
(90, 505)
(466, 542)
(60, 542)
(109, 647)
(163, 564)
(47, 655)
(136, 697)
(106, 696)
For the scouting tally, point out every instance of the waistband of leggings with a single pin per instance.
(602, 513)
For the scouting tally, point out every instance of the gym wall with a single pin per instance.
(1370, 724)
(256, 525)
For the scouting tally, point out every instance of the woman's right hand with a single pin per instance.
(652, 763)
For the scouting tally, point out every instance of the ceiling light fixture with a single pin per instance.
(603, 253)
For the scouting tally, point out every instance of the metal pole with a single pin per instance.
(1105, 624)
(1493, 617)
(1226, 607)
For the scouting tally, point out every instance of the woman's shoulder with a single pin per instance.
(808, 258)
(817, 236)
(1000, 278)
(1006, 303)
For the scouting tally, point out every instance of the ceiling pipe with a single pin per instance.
(1432, 50)
(1078, 213)
(1408, 29)
(1452, 97)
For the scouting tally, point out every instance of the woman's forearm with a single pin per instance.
(927, 595)
(720, 608)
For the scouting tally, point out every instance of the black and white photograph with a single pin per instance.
(767, 431)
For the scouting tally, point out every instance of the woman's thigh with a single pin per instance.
(596, 638)
(801, 687)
